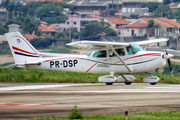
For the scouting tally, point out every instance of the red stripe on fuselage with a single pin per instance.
(148, 54)
(152, 54)
(91, 67)
(55, 59)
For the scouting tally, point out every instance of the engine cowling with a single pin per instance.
(107, 79)
(151, 79)
(130, 78)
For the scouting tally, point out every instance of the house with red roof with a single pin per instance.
(166, 25)
(44, 24)
(174, 6)
(59, 27)
(116, 22)
(132, 29)
(30, 37)
(47, 32)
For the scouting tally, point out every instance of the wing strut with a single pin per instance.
(121, 59)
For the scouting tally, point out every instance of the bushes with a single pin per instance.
(42, 42)
(75, 113)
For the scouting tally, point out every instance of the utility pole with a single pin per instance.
(122, 24)
(112, 4)
(177, 42)
(160, 32)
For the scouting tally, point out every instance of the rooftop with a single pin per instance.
(52, 26)
(163, 21)
(42, 22)
(135, 25)
(107, 2)
(30, 37)
(117, 20)
(45, 29)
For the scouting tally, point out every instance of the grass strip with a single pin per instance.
(161, 115)
(42, 76)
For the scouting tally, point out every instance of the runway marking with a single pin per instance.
(28, 87)
(153, 89)
(18, 104)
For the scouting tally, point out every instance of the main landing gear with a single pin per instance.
(152, 80)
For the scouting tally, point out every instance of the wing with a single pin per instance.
(147, 42)
(96, 44)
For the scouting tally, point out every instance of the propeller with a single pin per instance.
(168, 56)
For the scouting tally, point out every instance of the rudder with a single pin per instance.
(23, 52)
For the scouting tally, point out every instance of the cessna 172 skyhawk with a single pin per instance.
(109, 58)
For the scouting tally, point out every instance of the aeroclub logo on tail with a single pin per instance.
(18, 41)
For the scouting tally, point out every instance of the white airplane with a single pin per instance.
(109, 58)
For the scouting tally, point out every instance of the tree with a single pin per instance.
(164, 11)
(50, 12)
(150, 23)
(60, 35)
(175, 0)
(105, 24)
(92, 29)
(3, 30)
(151, 5)
(29, 26)
(166, 2)
(42, 42)
(110, 32)
(112, 12)
(57, 19)
(177, 14)
(133, 16)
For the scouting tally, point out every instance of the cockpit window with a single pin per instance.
(89, 54)
(133, 48)
(119, 51)
(100, 54)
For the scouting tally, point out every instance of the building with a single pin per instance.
(30, 37)
(80, 19)
(28, 1)
(3, 16)
(102, 6)
(132, 30)
(116, 22)
(167, 26)
(47, 32)
(174, 6)
(59, 27)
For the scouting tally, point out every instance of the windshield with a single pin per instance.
(133, 48)
(89, 54)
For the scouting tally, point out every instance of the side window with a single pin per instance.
(119, 51)
(129, 50)
(100, 54)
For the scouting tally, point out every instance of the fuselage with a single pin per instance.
(141, 62)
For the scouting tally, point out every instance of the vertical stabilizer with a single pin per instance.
(23, 52)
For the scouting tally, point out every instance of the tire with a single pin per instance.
(152, 83)
(128, 83)
(109, 83)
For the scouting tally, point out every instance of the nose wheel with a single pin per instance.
(153, 83)
(109, 83)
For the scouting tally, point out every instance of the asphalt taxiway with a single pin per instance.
(27, 100)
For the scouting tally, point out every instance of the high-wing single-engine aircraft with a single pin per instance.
(108, 57)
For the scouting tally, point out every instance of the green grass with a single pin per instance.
(42, 76)
(162, 115)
